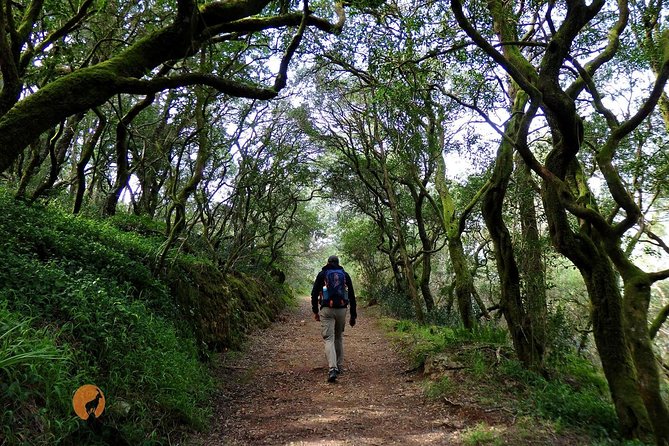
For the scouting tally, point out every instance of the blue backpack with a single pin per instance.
(335, 290)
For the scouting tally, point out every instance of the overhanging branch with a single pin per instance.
(658, 321)
(282, 76)
(232, 88)
(650, 103)
(659, 275)
(255, 24)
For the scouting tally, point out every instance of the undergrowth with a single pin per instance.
(80, 304)
(573, 397)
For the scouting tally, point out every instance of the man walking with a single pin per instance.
(330, 296)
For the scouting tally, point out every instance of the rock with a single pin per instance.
(439, 365)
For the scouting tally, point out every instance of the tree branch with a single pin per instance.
(481, 42)
(255, 24)
(59, 33)
(656, 239)
(658, 275)
(282, 76)
(11, 84)
(606, 55)
(658, 321)
(232, 88)
(468, 209)
(650, 103)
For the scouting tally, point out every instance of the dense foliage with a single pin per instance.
(574, 399)
(81, 304)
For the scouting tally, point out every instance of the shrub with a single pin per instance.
(396, 303)
(575, 396)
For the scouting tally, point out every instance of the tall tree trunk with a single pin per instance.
(57, 155)
(636, 300)
(201, 160)
(153, 164)
(404, 254)
(587, 249)
(398, 277)
(610, 339)
(464, 282)
(150, 173)
(425, 281)
(531, 262)
(454, 224)
(122, 161)
(530, 349)
(180, 200)
(426, 244)
(84, 158)
(586, 253)
(38, 154)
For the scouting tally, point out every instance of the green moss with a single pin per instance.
(223, 309)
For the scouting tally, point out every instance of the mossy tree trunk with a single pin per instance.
(123, 170)
(201, 159)
(57, 155)
(407, 265)
(464, 282)
(150, 174)
(586, 249)
(153, 162)
(528, 346)
(606, 314)
(180, 198)
(427, 244)
(531, 264)
(38, 153)
(453, 221)
(635, 304)
(84, 157)
(620, 338)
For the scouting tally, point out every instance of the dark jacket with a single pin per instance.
(318, 286)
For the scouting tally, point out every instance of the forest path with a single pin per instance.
(276, 393)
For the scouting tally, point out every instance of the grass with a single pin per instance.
(573, 401)
(16, 348)
(481, 434)
(425, 340)
(36, 375)
(439, 388)
(573, 397)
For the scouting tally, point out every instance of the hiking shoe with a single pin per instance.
(332, 376)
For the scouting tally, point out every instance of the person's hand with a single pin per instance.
(352, 322)
(317, 317)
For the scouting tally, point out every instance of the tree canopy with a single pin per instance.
(464, 155)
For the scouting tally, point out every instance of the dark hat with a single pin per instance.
(334, 260)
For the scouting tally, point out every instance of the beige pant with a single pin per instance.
(333, 321)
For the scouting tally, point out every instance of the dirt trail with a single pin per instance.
(277, 394)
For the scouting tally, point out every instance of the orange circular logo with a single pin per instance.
(88, 400)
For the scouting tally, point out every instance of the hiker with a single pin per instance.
(330, 296)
